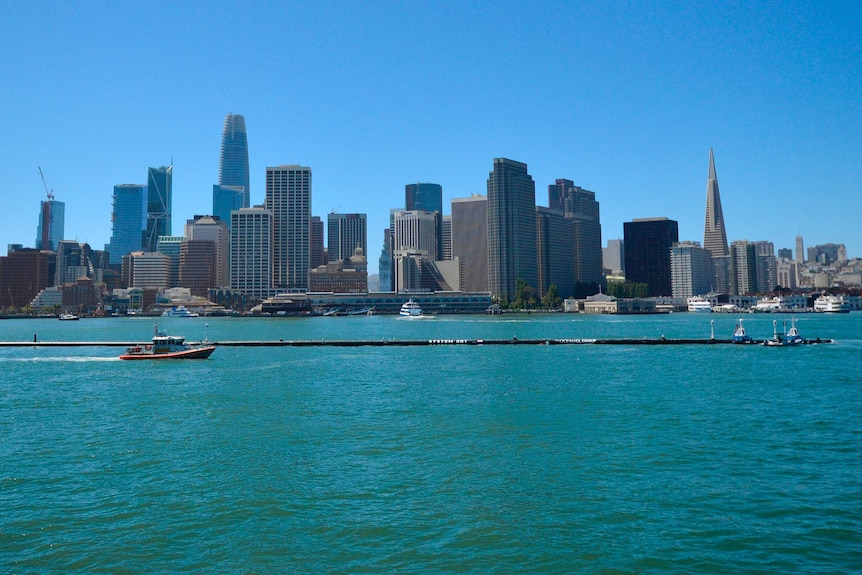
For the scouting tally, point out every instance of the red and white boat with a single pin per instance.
(169, 347)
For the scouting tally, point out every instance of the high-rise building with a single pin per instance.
(318, 250)
(74, 260)
(690, 270)
(743, 262)
(555, 240)
(511, 228)
(24, 272)
(800, 252)
(648, 242)
(613, 257)
(211, 229)
(149, 270)
(129, 221)
(344, 232)
(233, 160)
(423, 197)
(470, 241)
(714, 234)
(767, 273)
(159, 194)
(416, 230)
(172, 246)
(446, 254)
(785, 254)
(198, 266)
(288, 197)
(580, 206)
(225, 200)
(251, 252)
(429, 198)
(51, 226)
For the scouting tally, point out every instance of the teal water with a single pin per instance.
(501, 459)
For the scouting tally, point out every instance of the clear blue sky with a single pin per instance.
(623, 98)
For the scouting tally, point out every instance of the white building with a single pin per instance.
(251, 251)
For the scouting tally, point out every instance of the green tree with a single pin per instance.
(551, 300)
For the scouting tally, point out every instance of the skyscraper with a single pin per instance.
(554, 245)
(511, 228)
(800, 251)
(51, 226)
(714, 234)
(427, 197)
(159, 193)
(648, 242)
(251, 252)
(211, 229)
(227, 199)
(581, 208)
(233, 160)
(129, 221)
(691, 270)
(470, 240)
(743, 261)
(318, 251)
(288, 197)
(344, 232)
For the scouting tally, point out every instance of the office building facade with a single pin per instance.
(555, 240)
(647, 258)
(714, 234)
(344, 233)
(511, 228)
(225, 200)
(691, 270)
(212, 229)
(251, 252)
(288, 197)
(581, 208)
(129, 221)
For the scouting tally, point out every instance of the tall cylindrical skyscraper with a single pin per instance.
(233, 161)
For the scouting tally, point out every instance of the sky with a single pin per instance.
(624, 98)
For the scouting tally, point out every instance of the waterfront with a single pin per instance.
(548, 459)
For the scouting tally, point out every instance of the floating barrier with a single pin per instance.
(412, 342)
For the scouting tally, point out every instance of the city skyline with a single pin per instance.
(630, 116)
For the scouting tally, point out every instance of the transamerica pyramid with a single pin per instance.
(714, 235)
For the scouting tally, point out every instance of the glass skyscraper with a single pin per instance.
(159, 192)
(233, 161)
(49, 231)
(129, 221)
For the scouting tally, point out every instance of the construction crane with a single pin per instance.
(47, 216)
(49, 192)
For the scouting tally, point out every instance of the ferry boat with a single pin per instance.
(740, 335)
(179, 311)
(168, 347)
(68, 317)
(831, 304)
(411, 308)
(699, 305)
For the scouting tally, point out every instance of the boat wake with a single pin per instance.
(76, 359)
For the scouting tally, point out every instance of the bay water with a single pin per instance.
(466, 459)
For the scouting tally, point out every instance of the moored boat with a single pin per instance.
(699, 305)
(168, 347)
(68, 317)
(831, 304)
(179, 311)
(740, 335)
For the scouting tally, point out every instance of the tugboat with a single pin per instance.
(168, 347)
(740, 335)
(791, 337)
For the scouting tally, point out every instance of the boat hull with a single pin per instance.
(194, 353)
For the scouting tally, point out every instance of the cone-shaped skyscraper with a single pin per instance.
(714, 235)
(233, 162)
